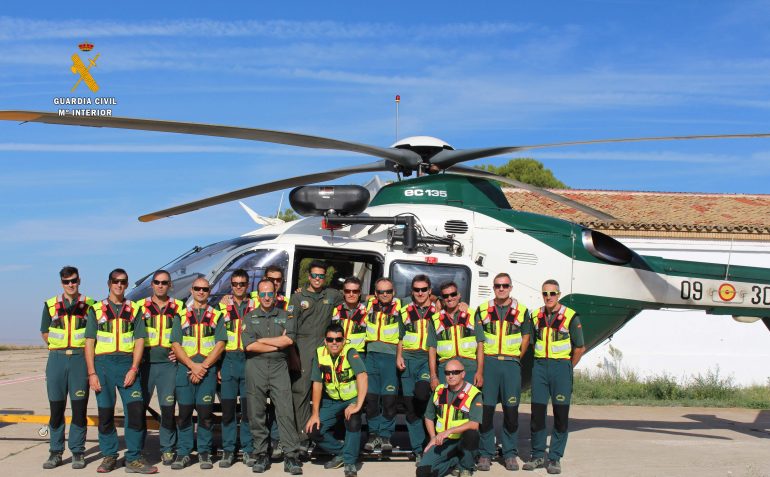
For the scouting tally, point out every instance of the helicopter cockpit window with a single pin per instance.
(402, 273)
(254, 262)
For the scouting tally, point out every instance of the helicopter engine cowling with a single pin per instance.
(310, 201)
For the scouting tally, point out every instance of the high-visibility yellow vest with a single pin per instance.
(502, 334)
(67, 330)
(455, 413)
(553, 341)
(338, 376)
(354, 325)
(115, 333)
(159, 322)
(416, 326)
(199, 337)
(382, 322)
(234, 323)
(280, 301)
(455, 339)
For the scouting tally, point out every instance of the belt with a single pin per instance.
(68, 352)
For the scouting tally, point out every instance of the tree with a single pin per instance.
(288, 215)
(527, 170)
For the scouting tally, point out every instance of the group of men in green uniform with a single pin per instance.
(339, 355)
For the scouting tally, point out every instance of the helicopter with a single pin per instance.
(450, 222)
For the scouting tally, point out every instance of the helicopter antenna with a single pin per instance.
(398, 100)
(280, 204)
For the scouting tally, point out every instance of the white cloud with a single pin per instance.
(14, 268)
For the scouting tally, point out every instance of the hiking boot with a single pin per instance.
(181, 462)
(108, 464)
(261, 463)
(78, 460)
(373, 443)
(304, 450)
(228, 458)
(54, 460)
(335, 463)
(417, 458)
(511, 463)
(204, 459)
(466, 473)
(249, 459)
(554, 467)
(455, 472)
(484, 463)
(350, 470)
(292, 466)
(534, 463)
(139, 466)
(385, 444)
(276, 450)
(167, 458)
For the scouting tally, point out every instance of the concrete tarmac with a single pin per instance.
(604, 440)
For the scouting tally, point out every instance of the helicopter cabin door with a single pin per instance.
(366, 265)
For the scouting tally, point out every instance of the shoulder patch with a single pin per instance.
(290, 308)
(304, 304)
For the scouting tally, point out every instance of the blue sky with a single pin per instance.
(500, 73)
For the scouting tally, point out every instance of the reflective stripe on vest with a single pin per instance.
(234, 323)
(553, 341)
(382, 324)
(455, 338)
(337, 374)
(115, 333)
(198, 337)
(416, 326)
(354, 325)
(67, 330)
(455, 413)
(502, 334)
(158, 322)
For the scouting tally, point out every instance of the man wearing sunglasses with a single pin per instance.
(417, 312)
(63, 327)
(159, 365)
(312, 309)
(507, 327)
(452, 419)
(351, 315)
(559, 345)
(198, 339)
(232, 373)
(267, 335)
(115, 334)
(383, 325)
(339, 390)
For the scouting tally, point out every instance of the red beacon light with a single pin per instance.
(431, 260)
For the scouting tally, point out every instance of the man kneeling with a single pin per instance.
(339, 390)
(457, 410)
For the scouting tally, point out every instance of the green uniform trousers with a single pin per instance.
(333, 411)
(502, 384)
(67, 375)
(551, 378)
(469, 365)
(111, 370)
(161, 377)
(383, 386)
(270, 376)
(234, 386)
(438, 461)
(198, 397)
(415, 384)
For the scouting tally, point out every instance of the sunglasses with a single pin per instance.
(449, 295)
(384, 292)
(348, 291)
(275, 279)
(336, 339)
(266, 294)
(318, 276)
(70, 281)
(420, 290)
(238, 284)
(119, 281)
(504, 286)
(160, 282)
(551, 293)
(454, 372)
(201, 289)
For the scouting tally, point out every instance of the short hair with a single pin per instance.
(353, 280)
(275, 268)
(117, 271)
(551, 281)
(265, 280)
(421, 278)
(160, 272)
(317, 264)
(335, 327)
(501, 275)
(240, 273)
(382, 279)
(448, 284)
(68, 271)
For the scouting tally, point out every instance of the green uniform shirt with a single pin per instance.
(91, 326)
(312, 313)
(575, 329)
(476, 408)
(433, 337)
(159, 354)
(220, 334)
(379, 346)
(356, 363)
(261, 324)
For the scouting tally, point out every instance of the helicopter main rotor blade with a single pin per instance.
(447, 158)
(268, 187)
(472, 172)
(408, 159)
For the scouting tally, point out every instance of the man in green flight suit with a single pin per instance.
(312, 308)
(115, 334)
(63, 328)
(559, 345)
(198, 339)
(339, 390)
